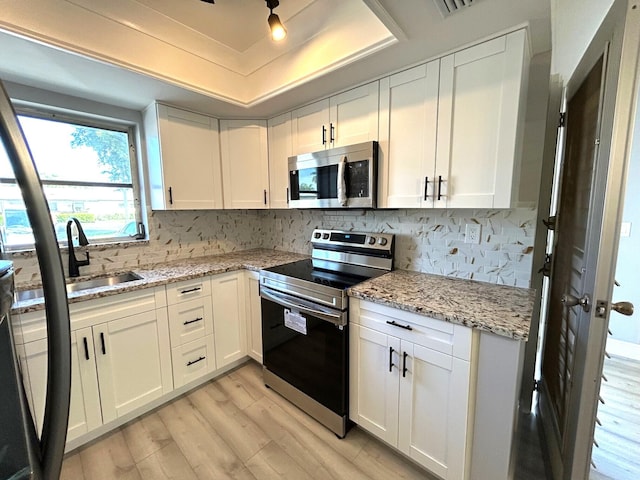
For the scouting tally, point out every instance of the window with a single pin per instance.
(86, 172)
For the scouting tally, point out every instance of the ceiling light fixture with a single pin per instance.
(278, 31)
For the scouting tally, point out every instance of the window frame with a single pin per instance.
(85, 119)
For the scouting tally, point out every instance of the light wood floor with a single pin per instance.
(618, 454)
(234, 427)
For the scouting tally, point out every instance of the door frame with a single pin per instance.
(621, 32)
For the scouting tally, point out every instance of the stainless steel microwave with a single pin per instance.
(341, 177)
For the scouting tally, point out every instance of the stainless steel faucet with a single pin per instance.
(74, 263)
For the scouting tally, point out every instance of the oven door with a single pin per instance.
(306, 346)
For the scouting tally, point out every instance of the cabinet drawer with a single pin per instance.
(190, 320)
(193, 360)
(437, 335)
(188, 290)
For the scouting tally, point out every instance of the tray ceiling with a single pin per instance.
(220, 58)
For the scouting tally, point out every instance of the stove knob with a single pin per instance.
(372, 240)
(382, 241)
(325, 236)
(317, 235)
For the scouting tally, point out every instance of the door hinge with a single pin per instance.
(550, 222)
(536, 385)
(546, 266)
(562, 120)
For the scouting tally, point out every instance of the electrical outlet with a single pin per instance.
(472, 233)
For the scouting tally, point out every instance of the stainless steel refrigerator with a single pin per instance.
(22, 454)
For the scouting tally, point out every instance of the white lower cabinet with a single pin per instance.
(84, 410)
(132, 362)
(191, 330)
(193, 360)
(229, 319)
(410, 380)
(254, 316)
(119, 359)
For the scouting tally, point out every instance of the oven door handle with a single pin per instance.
(288, 301)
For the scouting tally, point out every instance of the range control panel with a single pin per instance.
(369, 241)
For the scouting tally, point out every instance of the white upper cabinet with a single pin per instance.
(310, 127)
(280, 149)
(408, 123)
(480, 123)
(354, 116)
(344, 119)
(184, 159)
(451, 130)
(245, 164)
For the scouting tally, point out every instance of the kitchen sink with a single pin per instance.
(23, 295)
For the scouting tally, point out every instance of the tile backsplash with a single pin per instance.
(430, 241)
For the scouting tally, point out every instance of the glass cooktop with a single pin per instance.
(332, 274)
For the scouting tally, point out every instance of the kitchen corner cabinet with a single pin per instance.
(411, 387)
(183, 154)
(245, 163)
(280, 149)
(451, 130)
(344, 119)
(254, 316)
(120, 358)
(229, 319)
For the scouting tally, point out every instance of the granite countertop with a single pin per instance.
(162, 274)
(498, 309)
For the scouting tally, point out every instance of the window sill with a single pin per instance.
(30, 252)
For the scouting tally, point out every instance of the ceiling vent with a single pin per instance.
(449, 7)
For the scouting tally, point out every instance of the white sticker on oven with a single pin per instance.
(295, 321)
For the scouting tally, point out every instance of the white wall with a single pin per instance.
(628, 264)
(573, 25)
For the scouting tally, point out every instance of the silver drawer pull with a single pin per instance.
(393, 322)
(192, 321)
(195, 361)
(191, 290)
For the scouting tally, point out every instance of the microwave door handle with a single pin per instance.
(335, 318)
(342, 182)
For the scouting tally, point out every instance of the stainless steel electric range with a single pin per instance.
(305, 325)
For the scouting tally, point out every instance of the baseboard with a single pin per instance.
(97, 433)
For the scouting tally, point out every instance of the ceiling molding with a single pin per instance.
(331, 33)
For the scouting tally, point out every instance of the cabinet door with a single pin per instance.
(254, 317)
(229, 329)
(186, 174)
(480, 117)
(408, 123)
(353, 116)
(133, 359)
(245, 163)
(84, 409)
(434, 405)
(279, 152)
(374, 359)
(310, 127)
